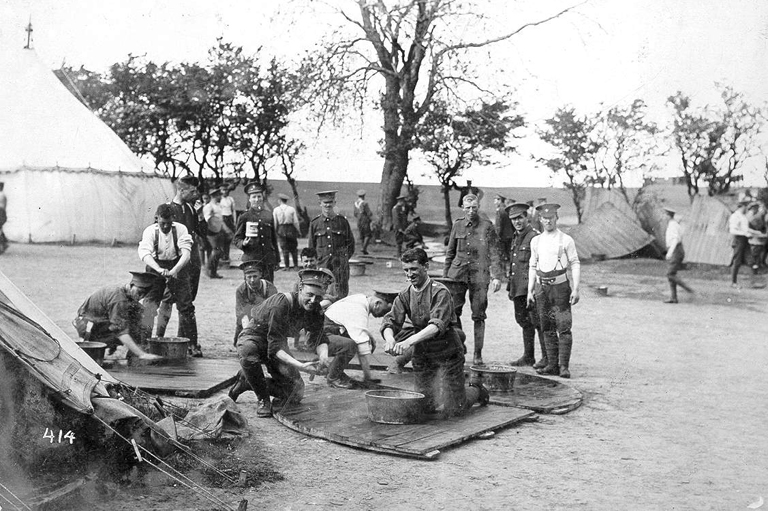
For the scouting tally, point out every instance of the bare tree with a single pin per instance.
(416, 48)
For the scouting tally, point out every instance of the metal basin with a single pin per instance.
(172, 348)
(395, 406)
(95, 350)
(497, 378)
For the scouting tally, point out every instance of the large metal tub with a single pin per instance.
(497, 378)
(395, 406)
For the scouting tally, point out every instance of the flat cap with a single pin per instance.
(319, 277)
(669, 210)
(361, 193)
(327, 195)
(253, 188)
(500, 196)
(516, 210)
(214, 191)
(548, 210)
(282, 196)
(402, 196)
(541, 200)
(386, 294)
(146, 280)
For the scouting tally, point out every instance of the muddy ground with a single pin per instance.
(674, 415)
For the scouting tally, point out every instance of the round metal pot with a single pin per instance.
(95, 350)
(496, 378)
(395, 406)
(173, 348)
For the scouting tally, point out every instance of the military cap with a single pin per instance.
(516, 210)
(417, 217)
(470, 197)
(253, 188)
(282, 196)
(530, 203)
(189, 181)
(541, 200)
(669, 210)
(548, 210)
(214, 192)
(327, 195)
(361, 193)
(250, 262)
(500, 196)
(319, 277)
(146, 280)
(386, 294)
(402, 196)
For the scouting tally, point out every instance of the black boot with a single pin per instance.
(552, 355)
(672, 292)
(479, 340)
(565, 344)
(543, 361)
(528, 342)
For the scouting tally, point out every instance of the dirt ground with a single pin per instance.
(674, 415)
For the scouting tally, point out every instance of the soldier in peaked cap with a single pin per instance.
(255, 233)
(675, 256)
(114, 316)
(473, 258)
(552, 253)
(331, 236)
(265, 341)
(364, 217)
(347, 320)
(517, 285)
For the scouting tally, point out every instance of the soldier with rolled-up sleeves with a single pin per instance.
(260, 241)
(331, 236)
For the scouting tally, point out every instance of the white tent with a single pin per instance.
(67, 175)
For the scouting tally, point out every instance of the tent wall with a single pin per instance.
(58, 205)
(705, 236)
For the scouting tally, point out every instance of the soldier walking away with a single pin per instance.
(473, 258)
(288, 229)
(675, 256)
(3, 218)
(364, 217)
(331, 236)
(517, 286)
(255, 233)
(552, 253)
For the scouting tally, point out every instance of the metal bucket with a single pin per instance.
(356, 269)
(497, 378)
(395, 406)
(172, 348)
(602, 290)
(95, 350)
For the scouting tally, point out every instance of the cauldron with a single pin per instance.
(95, 350)
(173, 348)
(395, 406)
(498, 378)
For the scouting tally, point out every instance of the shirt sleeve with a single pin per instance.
(570, 252)
(353, 316)
(314, 325)
(279, 323)
(147, 243)
(441, 310)
(183, 238)
(395, 318)
(242, 307)
(450, 253)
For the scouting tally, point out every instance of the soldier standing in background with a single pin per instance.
(364, 217)
(255, 233)
(227, 204)
(288, 229)
(331, 236)
(504, 228)
(400, 222)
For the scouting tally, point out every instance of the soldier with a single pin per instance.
(552, 253)
(400, 221)
(472, 258)
(331, 236)
(675, 256)
(255, 234)
(503, 226)
(364, 218)
(517, 286)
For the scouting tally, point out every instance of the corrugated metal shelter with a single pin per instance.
(705, 232)
(596, 197)
(609, 232)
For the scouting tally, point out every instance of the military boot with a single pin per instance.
(528, 342)
(543, 361)
(479, 340)
(565, 356)
(552, 356)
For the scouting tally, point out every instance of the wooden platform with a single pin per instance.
(341, 416)
(197, 378)
(378, 359)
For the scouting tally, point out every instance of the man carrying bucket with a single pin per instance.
(255, 233)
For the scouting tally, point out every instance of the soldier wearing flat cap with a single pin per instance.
(473, 259)
(553, 253)
(114, 316)
(183, 211)
(504, 228)
(400, 221)
(288, 229)
(364, 217)
(255, 233)
(331, 236)
(348, 319)
(517, 285)
(675, 255)
(265, 341)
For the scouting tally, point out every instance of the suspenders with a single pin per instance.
(175, 241)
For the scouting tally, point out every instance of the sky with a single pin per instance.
(606, 52)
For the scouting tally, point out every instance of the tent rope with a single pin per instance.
(14, 496)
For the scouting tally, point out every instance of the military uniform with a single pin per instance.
(263, 246)
(517, 288)
(332, 238)
(364, 218)
(399, 224)
(505, 231)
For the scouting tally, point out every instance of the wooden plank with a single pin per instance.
(379, 360)
(197, 378)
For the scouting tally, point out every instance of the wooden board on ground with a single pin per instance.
(341, 416)
(530, 391)
(197, 377)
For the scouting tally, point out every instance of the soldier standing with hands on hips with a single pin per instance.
(552, 253)
(331, 236)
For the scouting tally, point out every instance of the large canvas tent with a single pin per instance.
(68, 176)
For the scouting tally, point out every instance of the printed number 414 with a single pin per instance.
(49, 434)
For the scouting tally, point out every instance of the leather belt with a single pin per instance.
(551, 281)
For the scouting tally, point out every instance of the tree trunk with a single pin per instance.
(397, 140)
(446, 189)
(300, 210)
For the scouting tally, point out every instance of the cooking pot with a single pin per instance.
(95, 350)
(172, 348)
(498, 378)
(395, 406)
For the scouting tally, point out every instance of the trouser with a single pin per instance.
(399, 239)
(675, 265)
(178, 290)
(365, 237)
(217, 241)
(289, 247)
(194, 268)
(554, 309)
(284, 381)
(756, 252)
(343, 350)
(477, 285)
(740, 256)
(438, 366)
(229, 221)
(528, 320)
